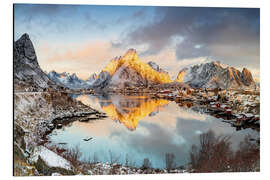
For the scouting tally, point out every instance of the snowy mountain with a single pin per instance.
(91, 79)
(68, 80)
(27, 72)
(129, 70)
(156, 67)
(101, 81)
(215, 74)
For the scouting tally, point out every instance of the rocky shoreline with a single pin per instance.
(36, 115)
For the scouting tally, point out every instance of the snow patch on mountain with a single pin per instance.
(67, 80)
(216, 75)
(156, 67)
(91, 79)
(102, 81)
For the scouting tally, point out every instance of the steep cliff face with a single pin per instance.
(214, 74)
(27, 72)
(103, 80)
(246, 77)
(156, 67)
(126, 76)
(181, 75)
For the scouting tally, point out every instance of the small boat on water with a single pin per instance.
(87, 139)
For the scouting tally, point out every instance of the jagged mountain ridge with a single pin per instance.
(68, 80)
(215, 75)
(92, 78)
(122, 71)
(130, 70)
(156, 67)
(27, 72)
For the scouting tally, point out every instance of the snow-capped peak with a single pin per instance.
(68, 80)
(214, 74)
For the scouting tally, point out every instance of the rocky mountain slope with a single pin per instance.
(27, 72)
(156, 67)
(216, 75)
(129, 70)
(91, 79)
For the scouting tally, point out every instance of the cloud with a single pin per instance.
(91, 21)
(56, 19)
(173, 37)
(89, 57)
(136, 15)
(153, 141)
(83, 59)
(167, 60)
(44, 14)
(229, 34)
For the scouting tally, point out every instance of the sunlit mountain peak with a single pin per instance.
(144, 70)
(131, 55)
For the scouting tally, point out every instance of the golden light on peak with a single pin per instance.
(131, 59)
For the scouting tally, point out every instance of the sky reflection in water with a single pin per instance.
(141, 128)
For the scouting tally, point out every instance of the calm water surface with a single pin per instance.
(139, 127)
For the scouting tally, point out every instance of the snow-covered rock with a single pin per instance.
(102, 81)
(156, 67)
(216, 75)
(91, 79)
(50, 158)
(68, 80)
(35, 111)
(56, 174)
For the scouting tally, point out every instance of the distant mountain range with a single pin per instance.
(68, 80)
(123, 71)
(216, 75)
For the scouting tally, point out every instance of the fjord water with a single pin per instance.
(138, 127)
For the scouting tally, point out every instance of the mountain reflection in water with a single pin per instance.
(158, 127)
(128, 111)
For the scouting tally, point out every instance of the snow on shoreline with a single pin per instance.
(50, 158)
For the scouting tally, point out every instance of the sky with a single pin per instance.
(82, 39)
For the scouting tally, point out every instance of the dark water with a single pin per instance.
(140, 128)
